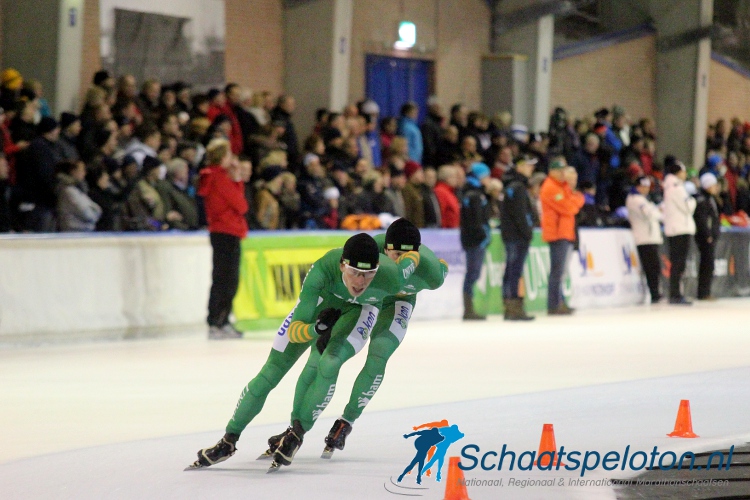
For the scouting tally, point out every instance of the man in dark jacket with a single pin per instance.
(707, 232)
(517, 225)
(432, 133)
(283, 112)
(313, 207)
(37, 178)
(475, 231)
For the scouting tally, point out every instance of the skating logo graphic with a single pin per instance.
(629, 258)
(432, 444)
(402, 318)
(365, 330)
(586, 259)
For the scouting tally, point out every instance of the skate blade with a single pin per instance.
(266, 455)
(195, 466)
(327, 453)
(274, 467)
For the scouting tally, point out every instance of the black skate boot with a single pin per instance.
(336, 439)
(288, 446)
(222, 450)
(273, 443)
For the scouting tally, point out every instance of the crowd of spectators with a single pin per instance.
(130, 159)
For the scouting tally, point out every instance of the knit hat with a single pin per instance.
(556, 164)
(331, 193)
(11, 79)
(271, 172)
(643, 181)
(601, 113)
(480, 170)
(411, 168)
(707, 180)
(395, 171)
(102, 136)
(213, 93)
(149, 163)
(48, 124)
(67, 119)
(714, 160)
(361, 252)
(101, 76)
(402, 235)
(528, 160)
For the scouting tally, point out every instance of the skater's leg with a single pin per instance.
(281, 359)
(389, 332)
(305, 380)
(348, 337)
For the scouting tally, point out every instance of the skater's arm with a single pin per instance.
(301, 328)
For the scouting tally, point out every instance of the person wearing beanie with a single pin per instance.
(76, 211)
(560, 204)
(70, 128)
(413, 193)
(679, 224)
(401, 237)
(337, 310)
(475, 231)
(516, 229)
(644, 217)
(36, 178)
(145, 208)
(266, 201)
(707, 231)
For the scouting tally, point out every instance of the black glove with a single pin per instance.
(323, 326)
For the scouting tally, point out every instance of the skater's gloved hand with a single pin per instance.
(323, 326)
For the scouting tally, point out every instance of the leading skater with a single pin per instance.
(340, 297)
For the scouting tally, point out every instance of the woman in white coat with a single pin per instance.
(679, 226)
(644, 217)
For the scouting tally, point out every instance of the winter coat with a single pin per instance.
(178, 199)
(75, 210)
(409, 129)
(560, 204)
(450, 208)
(224, 200)
(517, 214)
(313, 205)
(414, 203)
(475, 216)
(679, 207)
(267, 209)
(145, 209)
(36, 172)
(644, 219)
(707, 222)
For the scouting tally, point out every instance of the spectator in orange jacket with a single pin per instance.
(223, 195)
(560, 204)
(445, 191)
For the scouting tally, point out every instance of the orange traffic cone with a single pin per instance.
(683, 426)
(455, 485)
(547, 444)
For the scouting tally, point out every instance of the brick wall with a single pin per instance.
(456, 47)
(255, 44)
(623, 74)
(91, 58)
(728, 94)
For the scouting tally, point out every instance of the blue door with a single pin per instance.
(392, 81)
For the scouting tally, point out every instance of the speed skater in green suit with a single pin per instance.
(341, 296)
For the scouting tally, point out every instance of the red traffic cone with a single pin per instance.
(547, 444)
(683, 426)
(455, 485)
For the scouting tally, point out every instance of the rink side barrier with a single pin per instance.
(68, 285)
(113, 285)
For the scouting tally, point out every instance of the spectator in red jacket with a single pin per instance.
(445, 190)
(223, 195)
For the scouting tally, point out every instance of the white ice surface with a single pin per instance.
(121, 420)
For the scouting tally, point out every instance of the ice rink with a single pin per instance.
(122, 419)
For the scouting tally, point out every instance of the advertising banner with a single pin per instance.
(604, 272)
